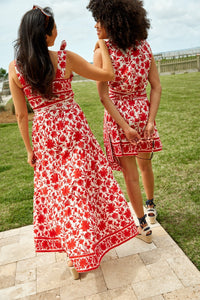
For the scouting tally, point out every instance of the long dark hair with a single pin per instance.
(31, 51)
(125, 21)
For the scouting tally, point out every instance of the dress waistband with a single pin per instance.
(54, 105)
(117, 95)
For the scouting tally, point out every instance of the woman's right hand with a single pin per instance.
(149, 130)
(98, 44)
(132, 135)
(31, 159)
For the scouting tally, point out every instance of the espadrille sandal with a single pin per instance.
(145, 233)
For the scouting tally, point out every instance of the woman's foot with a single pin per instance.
(144, 230)
(75, 274)
(151, 211)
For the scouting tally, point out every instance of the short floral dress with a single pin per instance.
(79, 208)
(128, 93)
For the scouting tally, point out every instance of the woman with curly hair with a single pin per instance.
(130, 134)
(78, 206)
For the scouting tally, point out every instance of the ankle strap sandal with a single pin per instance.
(151, 211)
(144, 230)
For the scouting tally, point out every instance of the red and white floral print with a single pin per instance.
(128, 93)
(78, 206)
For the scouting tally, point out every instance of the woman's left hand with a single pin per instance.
(132, 135)
(31, 159)
(149, 130)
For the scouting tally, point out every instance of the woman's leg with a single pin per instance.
(147, 174)
(131, 176)
(145, 166)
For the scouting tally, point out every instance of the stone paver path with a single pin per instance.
(132, 271)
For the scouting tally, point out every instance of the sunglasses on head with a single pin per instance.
(46, 14)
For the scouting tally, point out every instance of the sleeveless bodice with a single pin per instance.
(131, 68)
(61, 87)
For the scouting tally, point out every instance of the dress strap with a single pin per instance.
(61, 60)
(19, 75)
(63, 45)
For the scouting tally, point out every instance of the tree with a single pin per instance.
(3, 73)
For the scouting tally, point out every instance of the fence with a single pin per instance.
(179, 65)
(165, 66)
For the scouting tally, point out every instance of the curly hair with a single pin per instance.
(31, 51)
(125, 21)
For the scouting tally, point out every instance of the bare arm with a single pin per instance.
(20, 111)
(85, 69)
(102, 87)
(155, 95)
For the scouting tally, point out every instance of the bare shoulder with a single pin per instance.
(12, 71)
(53, 53)
(13, 75)
(11, 67)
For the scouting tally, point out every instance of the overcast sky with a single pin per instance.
(175, 25)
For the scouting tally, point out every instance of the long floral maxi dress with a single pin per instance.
(79, 208)
(128, 93)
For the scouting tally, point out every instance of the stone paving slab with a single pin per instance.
(133, 271)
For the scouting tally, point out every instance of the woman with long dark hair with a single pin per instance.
(78, 206)
(130, 134)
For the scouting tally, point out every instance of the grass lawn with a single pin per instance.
(176, 168)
